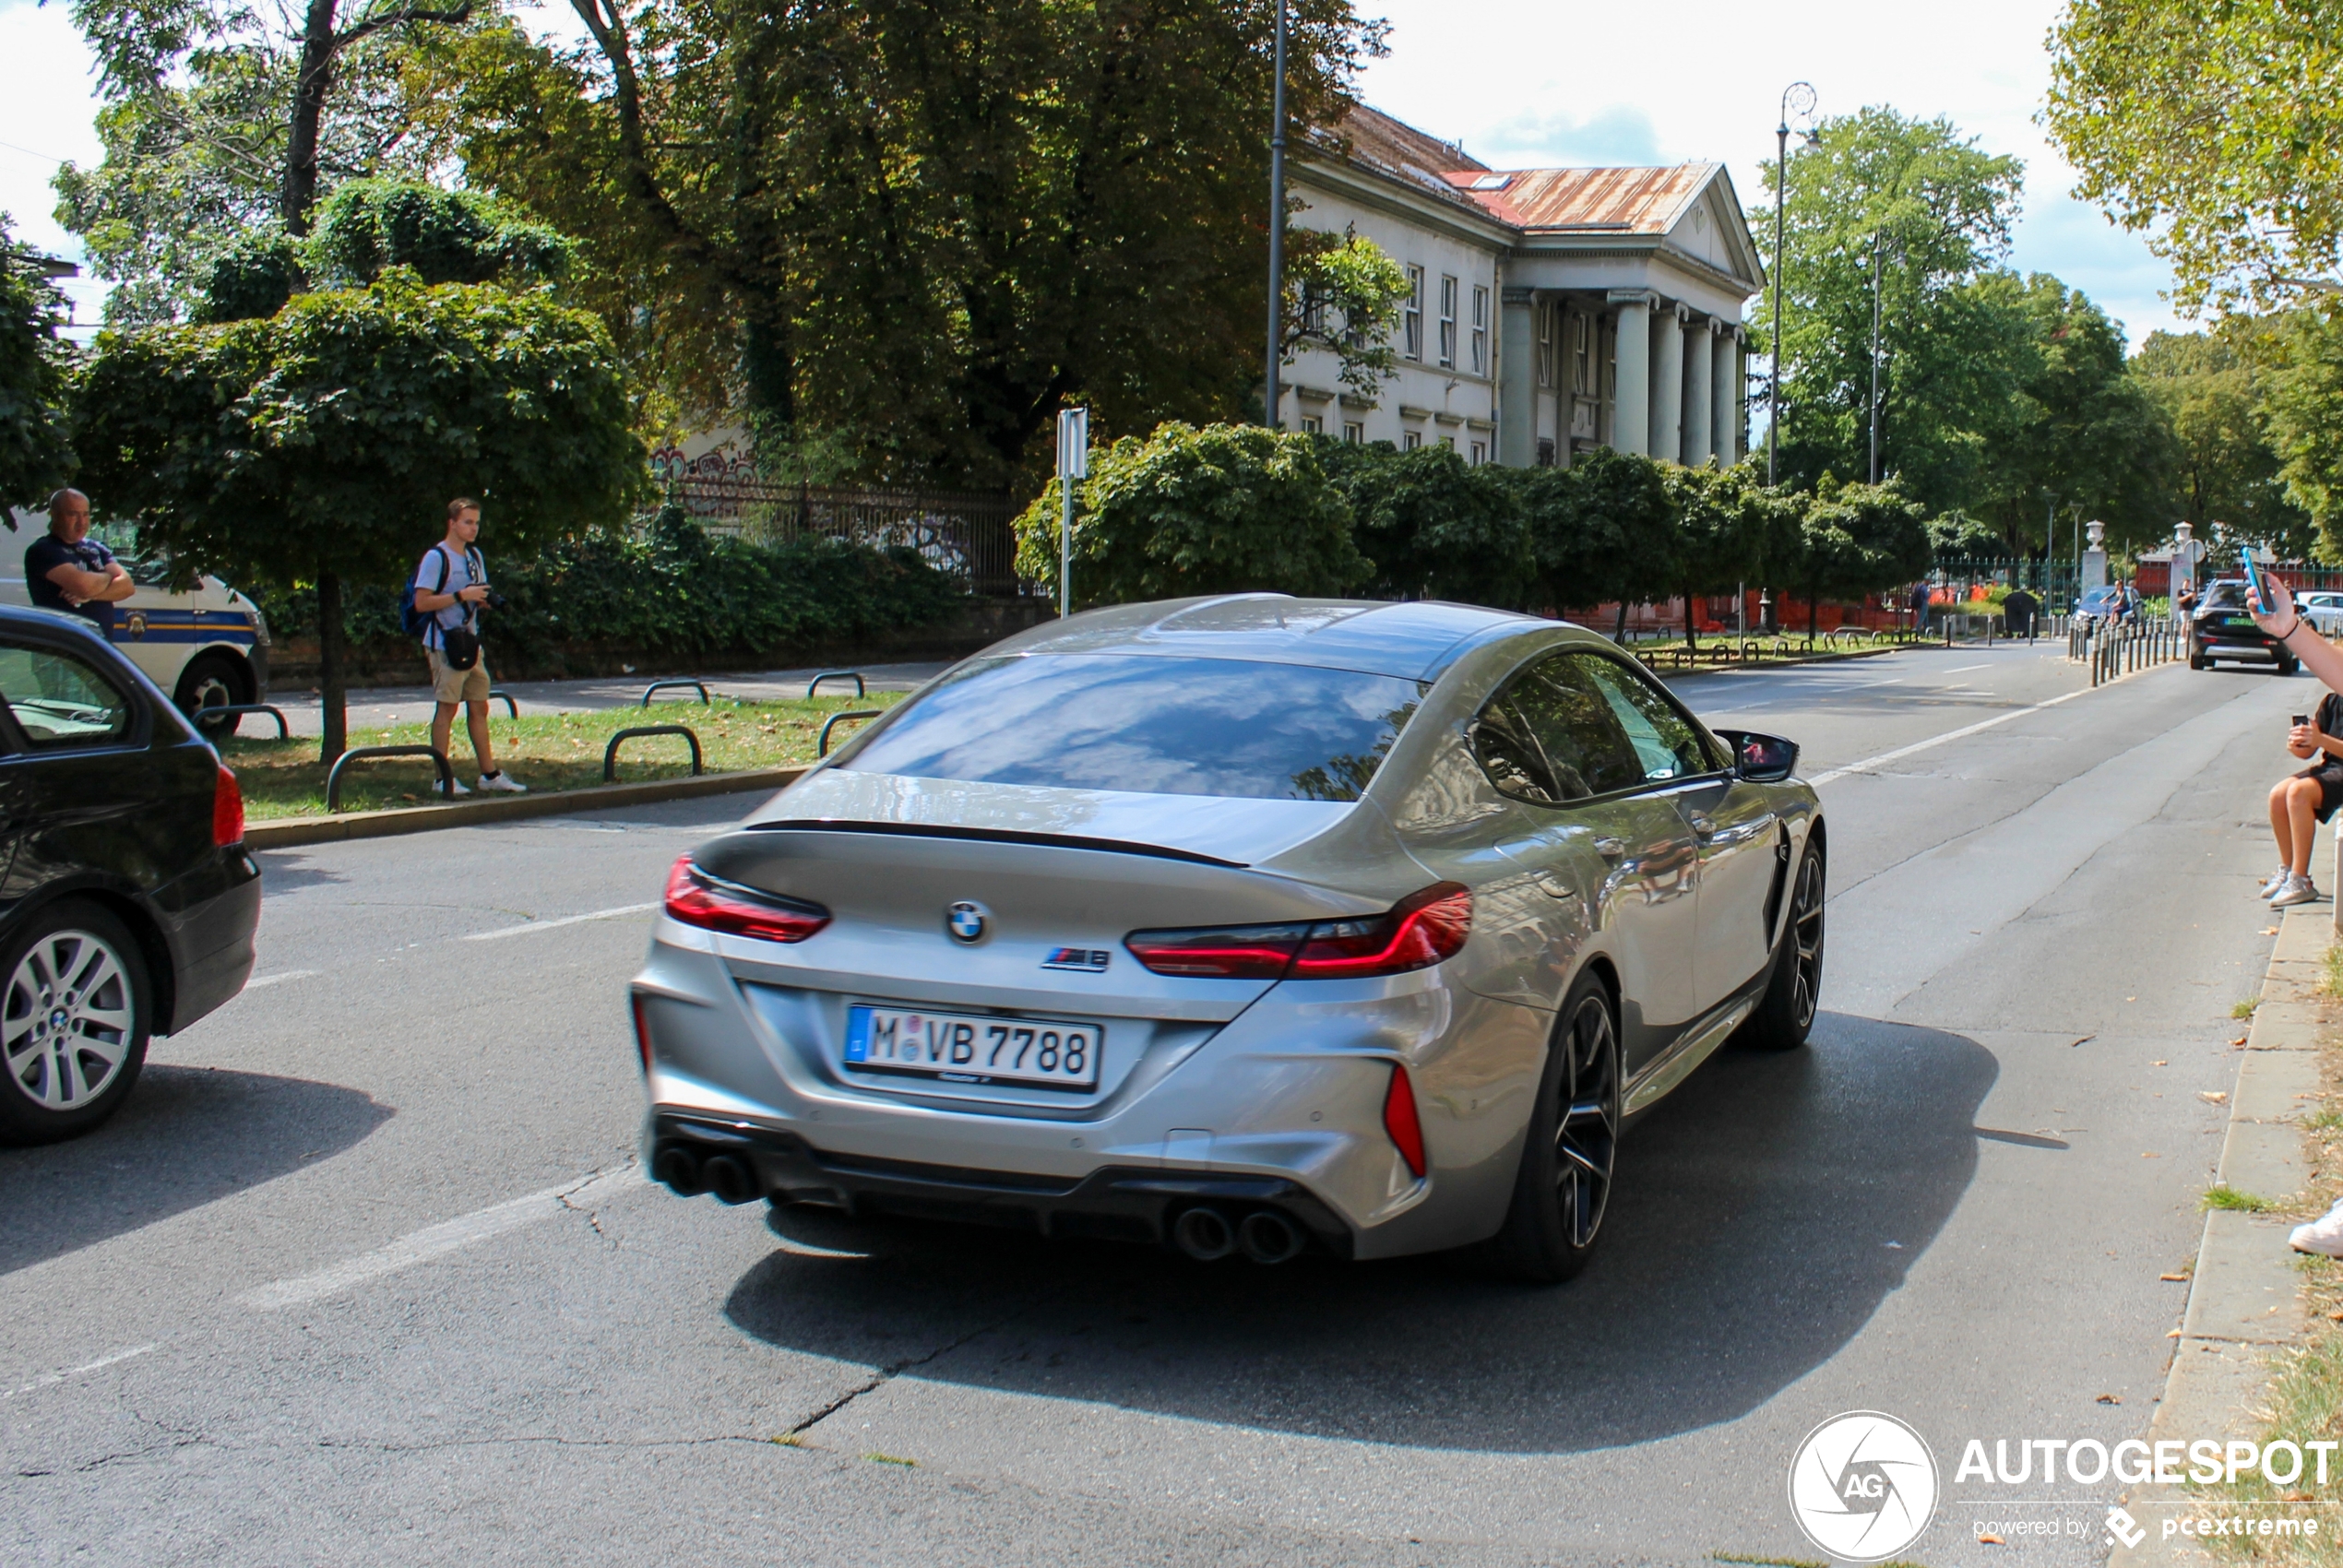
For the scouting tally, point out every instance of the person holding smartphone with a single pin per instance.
(2273, 608)
(2299, 803)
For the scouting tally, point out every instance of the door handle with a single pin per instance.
(1611, 849)
(1556, 887)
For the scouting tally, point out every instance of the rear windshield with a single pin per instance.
(2225, 595)
(1154, 725)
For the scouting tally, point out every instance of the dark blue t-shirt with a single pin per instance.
(49, 553)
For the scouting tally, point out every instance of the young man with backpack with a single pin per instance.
(444, 599)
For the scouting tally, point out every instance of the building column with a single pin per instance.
(1517, 378)
(1724, 436)
(1668, 384)
(1741, 395)
(1631, 391)
(1700, 400)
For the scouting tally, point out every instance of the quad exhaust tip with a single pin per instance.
(729, 1180)
(685, 1174)
(1265, 1235)
(678, 1169)
(1204, 1234)
(1269, 1236)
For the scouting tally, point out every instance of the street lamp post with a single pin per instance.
(1276, 220)
(1798, 99)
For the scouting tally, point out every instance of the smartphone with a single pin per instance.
(2301, 718)
(2253, 581)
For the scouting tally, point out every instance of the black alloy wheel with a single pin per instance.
(1785, 1014)
(1571, 1155)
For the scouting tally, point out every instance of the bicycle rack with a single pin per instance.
(610, 752)
(438, 757)
(837, 719)
(699, 686)
(853, 675)
(511, 708)
(214, 710)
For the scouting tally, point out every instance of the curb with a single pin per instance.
(286, 832)
(2245, 1299)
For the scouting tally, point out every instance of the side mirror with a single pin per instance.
(1761, 759)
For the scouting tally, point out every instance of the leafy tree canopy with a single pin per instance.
(1602, 530)
(2216, 131)
(2224, 468)
(1343, 293)
(1224, 509)
(35, 450)
(1435, 527)
(2301, 410)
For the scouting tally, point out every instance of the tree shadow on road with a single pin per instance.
(1749, 1239)
(186, 1136)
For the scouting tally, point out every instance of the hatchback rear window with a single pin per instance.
(1224, 727)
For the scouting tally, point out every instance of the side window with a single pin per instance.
(59, 702)
(1550, 737)
(1503, 746)
(1666, 744)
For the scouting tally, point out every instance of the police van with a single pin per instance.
(207, 646)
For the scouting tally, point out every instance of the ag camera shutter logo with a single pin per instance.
(1862, 1486)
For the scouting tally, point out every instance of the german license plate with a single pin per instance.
(961, 1048)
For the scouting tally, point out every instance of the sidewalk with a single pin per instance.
(377, 707)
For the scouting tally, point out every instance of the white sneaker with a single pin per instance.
(2276, 880)
(501, 783)
(454, 787)
(2298, 890)
(2323, 1235)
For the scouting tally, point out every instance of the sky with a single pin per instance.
(1519, 82)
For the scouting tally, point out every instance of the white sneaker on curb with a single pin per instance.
(501, 783)
(2298, 890)
(2323, 1235)
(454, 787)
(2276, 881)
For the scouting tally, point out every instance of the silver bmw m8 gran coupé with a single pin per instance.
(1241, 924)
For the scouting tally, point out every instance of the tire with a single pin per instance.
(73, 974)
(212, 679)
(1572, 1151)
(1786, 1014)
(2288, 664)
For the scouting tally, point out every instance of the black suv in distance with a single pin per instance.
(128, 900)
(2220, 628)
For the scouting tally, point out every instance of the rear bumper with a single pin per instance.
(210, 934)
(1114, 1203)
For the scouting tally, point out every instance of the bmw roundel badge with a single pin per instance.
(967, 923)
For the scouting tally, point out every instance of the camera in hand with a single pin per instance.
(495, 601)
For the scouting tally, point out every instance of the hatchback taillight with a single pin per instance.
(1420, 931)
(696, 899)
(227, 810)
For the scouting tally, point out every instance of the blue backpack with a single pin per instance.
(412, 621)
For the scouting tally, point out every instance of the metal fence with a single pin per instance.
(2113, 649)
(965, 536)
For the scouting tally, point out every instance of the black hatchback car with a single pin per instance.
(2220, 628)
(128, 899)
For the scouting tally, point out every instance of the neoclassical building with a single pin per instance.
(1551, 310)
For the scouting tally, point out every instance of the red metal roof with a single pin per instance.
(1627, 201)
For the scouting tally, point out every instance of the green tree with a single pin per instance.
(2216, 131)
(1343, 293)
(2224, 468)
(926, 225)
(1435, 527)
(1730, 529)
(1856, 539)
(1224, 509)
(321, 444)
(2301, 410)
(1602, 530)
(35, 449)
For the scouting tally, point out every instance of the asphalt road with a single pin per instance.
(364, 1272)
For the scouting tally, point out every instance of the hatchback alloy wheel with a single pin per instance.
(68, 1019)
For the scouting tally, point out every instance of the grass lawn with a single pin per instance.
(553, 751)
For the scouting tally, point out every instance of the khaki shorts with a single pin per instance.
(458, 685)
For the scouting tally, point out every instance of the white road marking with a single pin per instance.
(503, 931)
(55, 1378)
(279, 979)
(431, 1242)
(1870, 763)
(1959, 669)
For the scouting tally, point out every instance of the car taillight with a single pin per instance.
(1420, 931)
(227, 810)
(696, 899)
(1399, 1119)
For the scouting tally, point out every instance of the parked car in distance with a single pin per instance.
(127, 901)
(208, 647)
(2222, 627)
(2099, 603)
(1246, 923)
(2323, 609)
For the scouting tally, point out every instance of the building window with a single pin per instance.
(1411, 327)
(1313, 424)
(1313, 311)
(1545, 346)
(1449, 442)
(1448, 325)
(1481, 332)
(1410, 440)
(1479, 453)
(1580, 382)
(1353, 433)
(1545, 451)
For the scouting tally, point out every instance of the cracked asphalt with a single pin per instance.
(364, 1271)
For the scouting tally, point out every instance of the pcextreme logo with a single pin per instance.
(1862, 1486)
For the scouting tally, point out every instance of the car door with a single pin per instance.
(1598, 832)
(1732, 823)
(78, 789)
